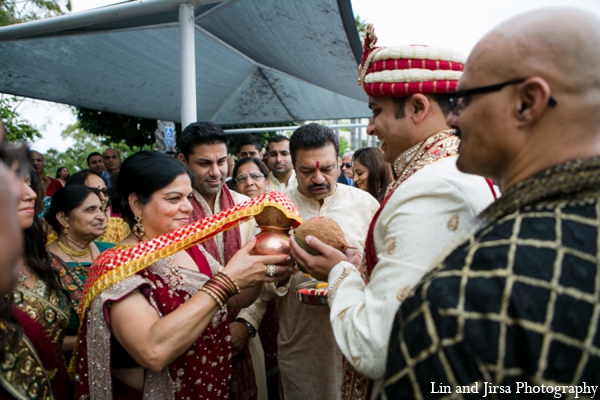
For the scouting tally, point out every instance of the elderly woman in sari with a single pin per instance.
(115, 229)
(76, 212)
(160, 311)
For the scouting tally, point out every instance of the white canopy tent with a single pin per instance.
(230, 62)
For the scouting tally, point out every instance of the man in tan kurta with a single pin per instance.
(309, 360)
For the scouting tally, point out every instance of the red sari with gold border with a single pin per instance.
(204, 368)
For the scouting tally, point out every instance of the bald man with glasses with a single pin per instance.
(513, 309)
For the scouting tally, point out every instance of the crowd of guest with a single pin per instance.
(471, 233)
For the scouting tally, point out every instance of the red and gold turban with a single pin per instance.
(405, 70)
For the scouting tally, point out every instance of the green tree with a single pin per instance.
(138, 132)
(75, 157)
(18, 129)
(117, 128)
(15, 11)
(343, 145)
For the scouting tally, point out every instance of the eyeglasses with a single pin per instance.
(15, 158)
(347, 165)
(254, 175)
(457, 99)
(96, 190)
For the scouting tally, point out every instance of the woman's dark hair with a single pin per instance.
(380, 172)
(312, 136)
(144, 173)
(199, 133)
(79, 178)
(60, 169)
(247, 160)
(36, 257)
(35, 183)
(66, 200)
(34, 252)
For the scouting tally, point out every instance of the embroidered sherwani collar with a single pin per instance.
(403, 159)
(436, 147)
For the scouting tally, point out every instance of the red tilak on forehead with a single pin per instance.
(317, 165)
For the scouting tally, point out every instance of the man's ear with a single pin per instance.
(134, 204)
(419, 107)
(181, 158)
(534, 98)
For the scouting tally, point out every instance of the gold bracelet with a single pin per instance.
(223, 283)
(220, 287)
(236, 287)
(214, 296)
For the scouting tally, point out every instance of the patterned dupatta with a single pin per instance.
(70, 279)
(51, 309)
(437, 147)
(106, 278)
(34, 368)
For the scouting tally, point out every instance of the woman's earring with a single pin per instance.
(66, 230)
(138, 229)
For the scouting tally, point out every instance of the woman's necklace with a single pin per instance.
(70, 252)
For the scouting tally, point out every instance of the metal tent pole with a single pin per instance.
(188, 64)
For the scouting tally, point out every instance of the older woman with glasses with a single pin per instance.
(250, 177)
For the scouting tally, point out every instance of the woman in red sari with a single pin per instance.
(158, 310)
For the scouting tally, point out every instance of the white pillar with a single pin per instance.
(188, 64)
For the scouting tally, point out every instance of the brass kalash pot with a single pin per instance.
(274, 238)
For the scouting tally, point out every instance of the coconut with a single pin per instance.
(325, 229)
(272, 216)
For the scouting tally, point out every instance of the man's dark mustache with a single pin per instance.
(318, 185)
